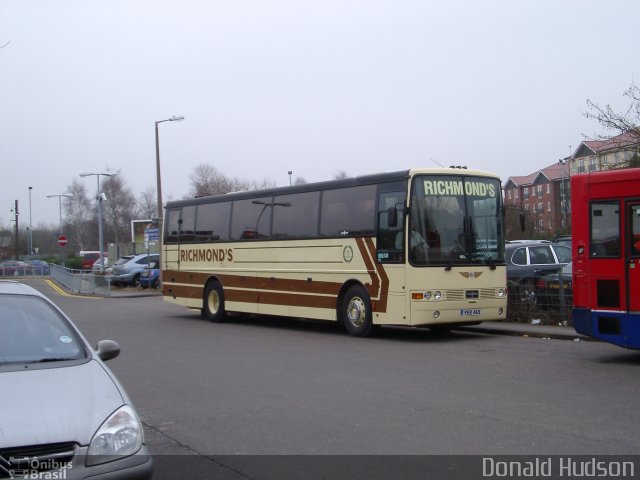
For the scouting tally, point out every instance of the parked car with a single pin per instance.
(127, 270)
(528, 261)
(96, 267)
(71, 414)
(563, 240)
(89, 258)
(13, 268)
(555, 289)
(38, 267)
(150, 277)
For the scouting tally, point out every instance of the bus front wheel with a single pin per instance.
(355, 312)
(214, 303)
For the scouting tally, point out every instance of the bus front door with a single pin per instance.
(633, 258)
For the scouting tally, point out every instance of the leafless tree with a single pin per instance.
(627, 121)
(120, 207)
(77, 209)
(264, 184)
(340, 174)
(299, 181)
(207, 180)
(148, 203)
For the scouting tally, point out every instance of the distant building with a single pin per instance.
(595, 155)
(544, 197)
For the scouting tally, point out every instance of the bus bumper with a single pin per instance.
(618, 328)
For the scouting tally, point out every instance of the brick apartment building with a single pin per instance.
(545, 195)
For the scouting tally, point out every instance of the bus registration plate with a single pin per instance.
(469, 312)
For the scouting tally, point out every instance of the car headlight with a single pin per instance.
(119, 436)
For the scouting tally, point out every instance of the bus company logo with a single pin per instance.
(457, 187)
(471, 274)
(206, 255)
(347, 254)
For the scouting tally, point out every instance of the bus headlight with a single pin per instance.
(437, 295)
(436, 314)
(502, 292)
(427, 295)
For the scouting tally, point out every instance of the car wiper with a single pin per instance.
(52, 359)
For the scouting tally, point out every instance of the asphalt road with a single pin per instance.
(278, 387)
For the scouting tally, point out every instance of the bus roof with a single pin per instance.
(402, 175)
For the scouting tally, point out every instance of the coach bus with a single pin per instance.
(605, 210)
(421, 247)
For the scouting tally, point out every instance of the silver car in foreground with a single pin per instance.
(63, 414)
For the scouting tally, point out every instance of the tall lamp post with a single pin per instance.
(99, 199)
(30, 226)
(60, 195)
(158, 176)
(175, 118)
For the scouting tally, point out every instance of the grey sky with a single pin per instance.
(314, 87)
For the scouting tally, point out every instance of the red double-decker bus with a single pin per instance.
(606, 255)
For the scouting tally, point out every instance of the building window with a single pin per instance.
(548, 206)
(548, 188)
(581, 166)
(526, 193)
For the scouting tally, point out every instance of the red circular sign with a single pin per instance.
(62, 240)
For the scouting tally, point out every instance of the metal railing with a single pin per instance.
(82, 282)
(538, 303)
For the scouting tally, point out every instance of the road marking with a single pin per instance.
(65, 293)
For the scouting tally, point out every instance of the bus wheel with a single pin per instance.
(213, 303)
(355, 312)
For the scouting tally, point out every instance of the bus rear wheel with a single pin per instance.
(355, 312)
(213, 303)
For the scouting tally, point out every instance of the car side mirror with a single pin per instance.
(107, 349)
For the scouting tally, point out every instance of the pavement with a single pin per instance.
(506, 327)
(526, 330)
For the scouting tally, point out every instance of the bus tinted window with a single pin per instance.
(187, 226)
(296, 215)
(212, 222)
(605, 229)
(348, 211)
(251, 219)
(171, 225)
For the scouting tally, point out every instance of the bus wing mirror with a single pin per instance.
(392, 217)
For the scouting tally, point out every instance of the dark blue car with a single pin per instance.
(150, 277)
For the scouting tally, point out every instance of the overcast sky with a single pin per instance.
(314, 87)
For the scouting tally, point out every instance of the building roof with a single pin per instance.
(556, 171)
(594, 147)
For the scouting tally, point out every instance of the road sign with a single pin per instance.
(151, 234)
(62, 240)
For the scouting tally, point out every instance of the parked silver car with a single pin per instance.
(127, 270)
(63, 414)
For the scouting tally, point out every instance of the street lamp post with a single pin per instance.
(175, 118)
(290, 173)
(99, 199)
(158, 176)
(30, 226)
(60, 195)
(16, 220)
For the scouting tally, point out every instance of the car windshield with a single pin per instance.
(456, 219)
(32, 331)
